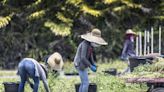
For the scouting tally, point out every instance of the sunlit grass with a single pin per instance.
(7, 72)
(119, 65)
(103, 81)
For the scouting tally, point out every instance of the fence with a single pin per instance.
(147, 47)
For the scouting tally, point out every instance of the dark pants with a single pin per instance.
(27, 69)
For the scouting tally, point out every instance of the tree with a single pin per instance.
(45, 26)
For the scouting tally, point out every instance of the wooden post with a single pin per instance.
(145, 42)
(159, 40)
(137, 46)
(152, 38)
(148, 42)
(140, 43)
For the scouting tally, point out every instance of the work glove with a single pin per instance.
(94, 65)
(93, 68)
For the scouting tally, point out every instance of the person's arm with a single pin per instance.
(43, 77)
(93, 58)
(124, 50)
(84, 51)
(45, 83)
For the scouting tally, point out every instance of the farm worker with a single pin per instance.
(29, 67)
(84, 56)
(55, 61)
(128, 48)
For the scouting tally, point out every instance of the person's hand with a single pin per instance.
(95, 65)
(93, 68)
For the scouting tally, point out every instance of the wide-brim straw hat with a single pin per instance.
(129, 31)
(94, 36)
(55, 61)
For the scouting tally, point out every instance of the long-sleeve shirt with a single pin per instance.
(83, 58)
(39, 72)
(128, 49)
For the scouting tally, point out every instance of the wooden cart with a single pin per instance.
(154, 84)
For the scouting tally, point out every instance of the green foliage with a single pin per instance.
(65, 20)
(110, 1)
(4, 21)
(74, 2)
(156, 66)
(121, 8)
(159, 17)
(154, 70)
(61, 17)
(129, 3)
(115, 84)
(91, 11)
(58, 29)
(103, 81)
(36, 15)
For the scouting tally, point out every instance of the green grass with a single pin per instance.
(7, 72)
(105, 83)
(119, 65)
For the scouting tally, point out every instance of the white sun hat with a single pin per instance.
(129, 31)
(94, 36)
(55, 61)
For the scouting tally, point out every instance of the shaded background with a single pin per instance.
(37, 28)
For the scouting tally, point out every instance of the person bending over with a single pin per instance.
(30, 68)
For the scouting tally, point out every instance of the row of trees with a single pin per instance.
(35, 28)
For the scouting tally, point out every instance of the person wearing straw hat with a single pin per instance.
(128, 48)
(55, 61)
(84, 56)
(30, 68)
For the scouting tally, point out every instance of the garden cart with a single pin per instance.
(138, 60)
(154, 84)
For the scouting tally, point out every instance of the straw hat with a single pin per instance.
(94, 36)
(129, 31)
(55, 61)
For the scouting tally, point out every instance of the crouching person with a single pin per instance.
(55, 62)
(30, 68)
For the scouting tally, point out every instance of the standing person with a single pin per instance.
(128, 48)
(84, 56)
(29, 67)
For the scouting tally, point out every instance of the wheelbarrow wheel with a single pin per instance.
(157, 90)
